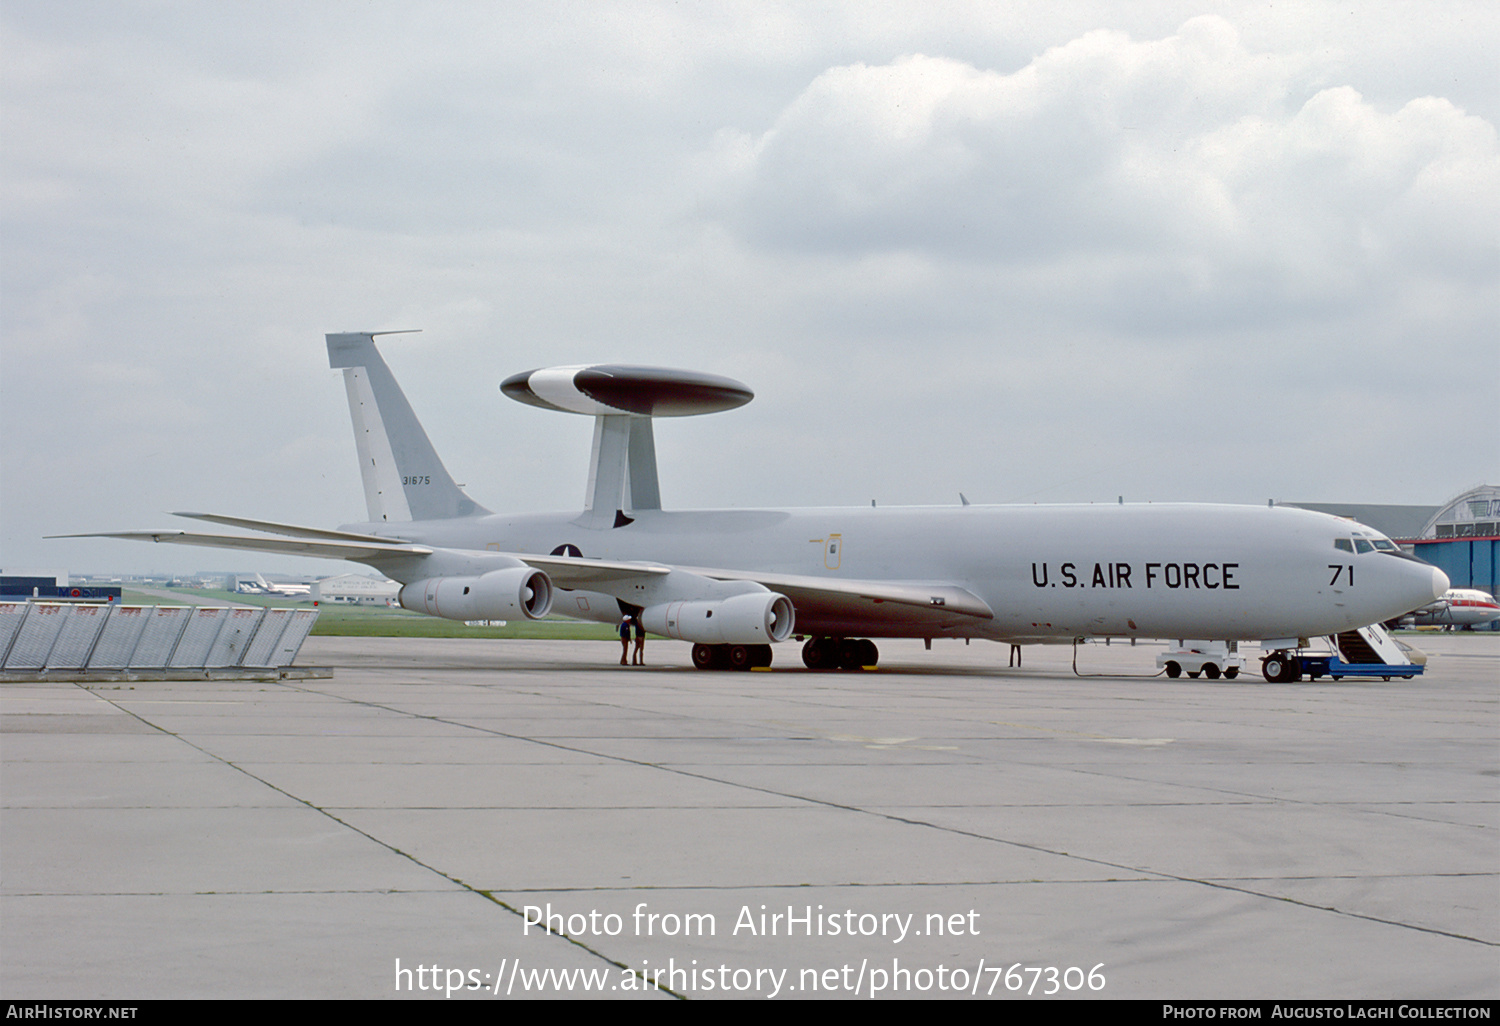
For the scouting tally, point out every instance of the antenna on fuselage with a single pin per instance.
(623, 401)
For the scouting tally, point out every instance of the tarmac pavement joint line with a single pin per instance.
(1217, 885)
(371, 837)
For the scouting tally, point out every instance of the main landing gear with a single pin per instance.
(839, 653)
(817, 653)
(731, 657)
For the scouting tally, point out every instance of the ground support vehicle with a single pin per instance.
(1366, 652)
(1210, 658)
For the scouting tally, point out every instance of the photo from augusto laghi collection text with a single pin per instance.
(897, 966)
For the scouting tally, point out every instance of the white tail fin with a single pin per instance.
(403, 477)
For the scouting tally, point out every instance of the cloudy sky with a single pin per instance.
(1033, 252)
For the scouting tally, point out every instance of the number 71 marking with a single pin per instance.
(1338, 570)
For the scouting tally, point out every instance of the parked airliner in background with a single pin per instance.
(1458, 607)
(733, 582)
(261, 586)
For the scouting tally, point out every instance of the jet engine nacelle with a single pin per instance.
(755, 618)
(498, 595)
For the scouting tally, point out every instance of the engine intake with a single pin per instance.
(751, 619)
(498, 595)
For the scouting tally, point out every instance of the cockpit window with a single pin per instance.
(1343, 544)
(1360, 545)
(1385, 545)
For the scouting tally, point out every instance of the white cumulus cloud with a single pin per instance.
(1189, 166)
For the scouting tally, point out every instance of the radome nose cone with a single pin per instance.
(1440, 583)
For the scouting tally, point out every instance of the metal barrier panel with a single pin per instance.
(262, 648)
(160, 636)
(235, 637)
(76, 639)
(11, 616)
(45, 636)
(202, 630)
(117, 641)
(295, 634)
(34, 642)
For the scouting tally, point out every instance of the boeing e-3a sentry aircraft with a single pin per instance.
(734, 582)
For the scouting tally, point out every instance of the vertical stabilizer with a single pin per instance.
(403, 477)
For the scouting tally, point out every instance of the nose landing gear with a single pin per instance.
(1281, 668)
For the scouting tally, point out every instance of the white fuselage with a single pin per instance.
(1155, 571)
(1459, 607)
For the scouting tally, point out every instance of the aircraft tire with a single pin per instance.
(851, 654)
(1281, 668)
(1174, 670)
(820, 654)
(760, 655)
(1210, 671)
(869, 654)
(708, 657)
(741, 657)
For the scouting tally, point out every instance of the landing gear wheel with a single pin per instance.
(820, 654)
(1174, 670)
(706, 657)
(857, 653)
(740, 657)
(1210, 671)
(760, 655)
(1280, 668)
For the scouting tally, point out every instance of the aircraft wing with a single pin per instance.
(578, 572)
(295, 530)
(355, 550)
(565, 571)
(916, 600)
(818, 600)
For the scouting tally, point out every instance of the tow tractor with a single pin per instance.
(1366, 652)
(1210, 658)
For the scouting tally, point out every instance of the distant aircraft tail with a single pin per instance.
(403, 477)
